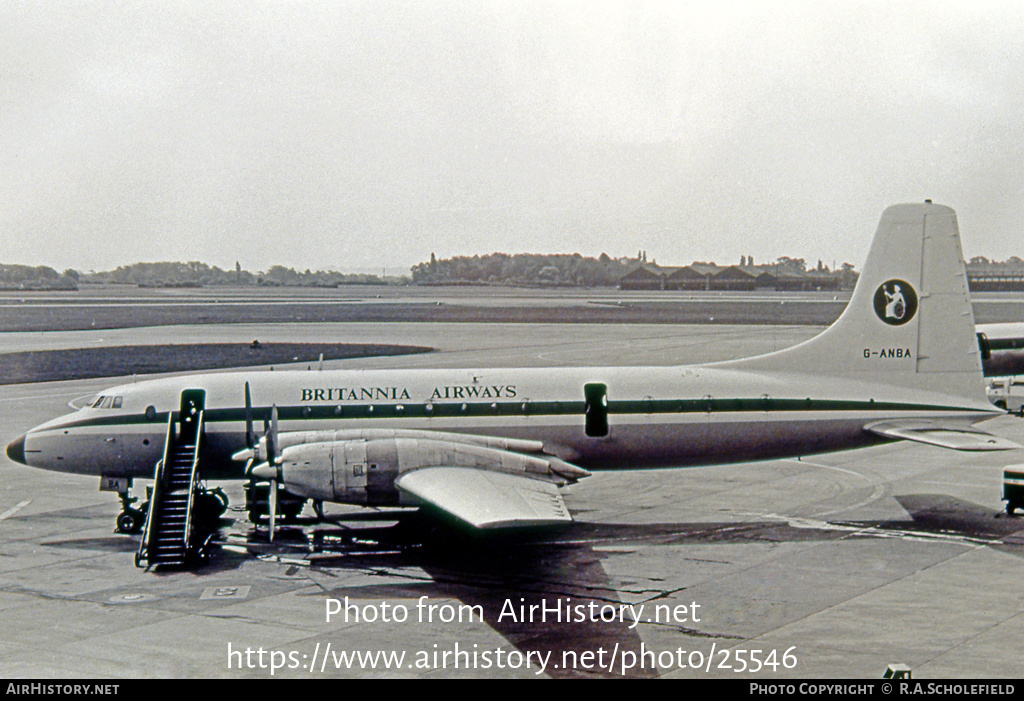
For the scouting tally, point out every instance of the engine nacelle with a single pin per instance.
(364, 471)
(340, 471)
(293, 438)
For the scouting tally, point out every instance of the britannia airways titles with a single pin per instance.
(350, 394)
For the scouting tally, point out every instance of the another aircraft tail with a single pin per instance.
(910, 322)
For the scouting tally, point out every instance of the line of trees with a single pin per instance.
(567, 270)
(176, 274)
(1012, 263)
(25, 277)
(195, 274)
(522, 269)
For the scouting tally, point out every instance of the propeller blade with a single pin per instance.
(250, 434)
(273, 507)
(272, 436)
(270, 470)
(261, 444)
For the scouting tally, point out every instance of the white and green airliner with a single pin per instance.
(492, 447)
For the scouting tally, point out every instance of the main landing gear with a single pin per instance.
(1013, 488)
(210, 505)
(257, 503)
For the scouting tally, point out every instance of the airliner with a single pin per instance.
(493, 447)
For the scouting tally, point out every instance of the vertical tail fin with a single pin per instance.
(909, 322)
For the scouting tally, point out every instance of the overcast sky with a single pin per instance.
(354, 135)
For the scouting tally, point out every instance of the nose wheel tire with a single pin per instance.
(131, 520)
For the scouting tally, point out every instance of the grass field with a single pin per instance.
(121, 361)
(80, 317)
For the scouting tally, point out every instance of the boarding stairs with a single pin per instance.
(170, 537)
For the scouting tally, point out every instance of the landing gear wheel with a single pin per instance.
(211, 504)
(126, 523)
(131, 521)
(221, 497)
(257, 503)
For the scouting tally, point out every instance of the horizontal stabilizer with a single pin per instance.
(486, 499)
(944, 435)
(1003, 336)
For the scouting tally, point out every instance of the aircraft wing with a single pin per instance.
(486, 499)
(954, 436)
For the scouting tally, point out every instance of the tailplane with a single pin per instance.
(909, 322)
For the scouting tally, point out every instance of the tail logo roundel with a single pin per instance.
(895, 302)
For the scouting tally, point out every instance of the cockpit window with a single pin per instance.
(99, 400)
(105, 402)
(117, 402)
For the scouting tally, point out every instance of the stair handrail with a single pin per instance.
(154, 498)
(193, 481)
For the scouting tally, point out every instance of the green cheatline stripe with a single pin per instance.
(707, 405)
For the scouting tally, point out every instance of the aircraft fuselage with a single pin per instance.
(596, 418)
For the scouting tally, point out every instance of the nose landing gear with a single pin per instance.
(131, 520)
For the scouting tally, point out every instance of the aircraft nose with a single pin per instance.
(16, 450)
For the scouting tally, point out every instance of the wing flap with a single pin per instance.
(486, 499)
(953, 436)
